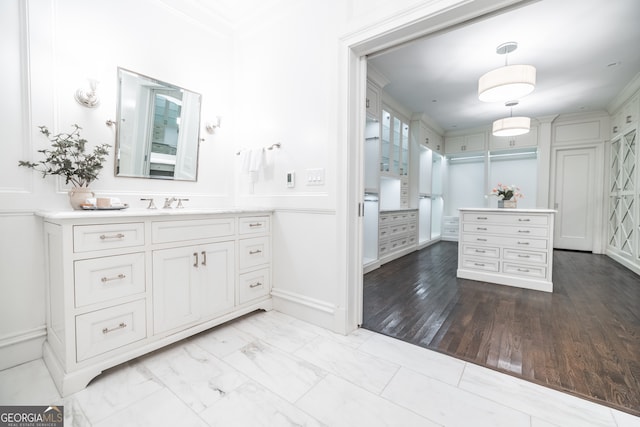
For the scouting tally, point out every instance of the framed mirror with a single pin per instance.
(158, 129)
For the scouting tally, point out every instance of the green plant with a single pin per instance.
(69, 159)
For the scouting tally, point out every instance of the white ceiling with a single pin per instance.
(572, 44)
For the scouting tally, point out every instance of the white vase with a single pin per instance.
(78, 196)
(507, 204)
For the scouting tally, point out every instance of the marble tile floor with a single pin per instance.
(269, 369)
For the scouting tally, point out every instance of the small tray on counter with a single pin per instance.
(110, 208)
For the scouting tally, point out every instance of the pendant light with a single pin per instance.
(508, 82)
(511, 126)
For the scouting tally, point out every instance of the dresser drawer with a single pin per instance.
(254, 252)
(524, 243)
(481, 251)
(483, 265)
(383, 248)
(253, 225)
(88, 238)
(104, 330)
(103, 279)
(522, 256)
(505, 219)
(253, 285)
(383, 232)
(177, 231)
(505, 229)
(524, 270)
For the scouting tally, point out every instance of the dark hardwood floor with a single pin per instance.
(584, 338)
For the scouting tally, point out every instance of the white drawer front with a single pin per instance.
(107, 236)
(104, 330)
(514, 255)
(107, 278)
(524, 270)
(255, 284)
(383, 232)
(481, 251)
(177, 231)
(254, 252)
(383, 248)
(484, 265)
(253, 225)
(506, 230)
(506, 219)
(524, 243)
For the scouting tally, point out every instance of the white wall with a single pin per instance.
(49, 49)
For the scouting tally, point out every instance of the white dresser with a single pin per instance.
(123, 283)
(511, 247)
(397, 233)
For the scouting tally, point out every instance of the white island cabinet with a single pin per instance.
(511, 247)
(123, 283)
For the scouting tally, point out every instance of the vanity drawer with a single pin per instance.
(506, 219)
(181, 230)
(254, 252)
(255, 284)
(253, 225)
(103, 279)
(484, 265)
(522, 256)
(524, 270)
(88, 238)
(104, 330)
(481, 251)
(505, 230)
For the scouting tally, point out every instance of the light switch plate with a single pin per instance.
(315, 176)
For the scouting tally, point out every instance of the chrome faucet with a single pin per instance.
(168, 201)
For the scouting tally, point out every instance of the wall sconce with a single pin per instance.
(211, 127)
(88, 98)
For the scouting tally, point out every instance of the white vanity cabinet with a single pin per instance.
(123, 283)
(511, 247)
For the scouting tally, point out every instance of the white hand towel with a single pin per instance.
(245, 160)
(256, 159)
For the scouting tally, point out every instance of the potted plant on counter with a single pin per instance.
(68, 158)
(508, 195)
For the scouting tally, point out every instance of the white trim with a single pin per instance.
(309, 302)
(310, 310)
(21, 347)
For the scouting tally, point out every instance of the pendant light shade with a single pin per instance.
(511, 126)
(508, 82)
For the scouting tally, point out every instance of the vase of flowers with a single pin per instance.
(507, 195)
(68, 158)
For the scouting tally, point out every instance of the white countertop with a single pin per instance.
(508, 210)
(129, 212)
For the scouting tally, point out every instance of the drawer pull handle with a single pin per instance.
(481, 217)
(523, 243)
(480, 251)
(524, 219)
(120, 326)
(524, 231)
(195, 262)
(481, 240)
(255, 224)
(523, 256)
(114, 236)
(255, 285)
(524, 270)
(204, 258)
(481, 228)
(108, 279)
(479, 264)
(257, 251)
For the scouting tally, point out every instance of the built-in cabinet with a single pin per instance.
(394, 151)
(474, 142)
(529, 139)
(397, 233)
(511, 247)
(121, 284)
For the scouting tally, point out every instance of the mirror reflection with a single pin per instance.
(158, 129)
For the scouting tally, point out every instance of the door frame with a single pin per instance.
(599, 231)
(404, 26)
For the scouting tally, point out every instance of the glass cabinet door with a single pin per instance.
(397, 141)
(404, 155)
(385, 146)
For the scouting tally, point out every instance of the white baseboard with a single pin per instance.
(317, 312)
(21, 347)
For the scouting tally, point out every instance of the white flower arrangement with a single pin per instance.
(506, 192)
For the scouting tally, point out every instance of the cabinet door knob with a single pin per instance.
(204, 257)
(195, 263)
